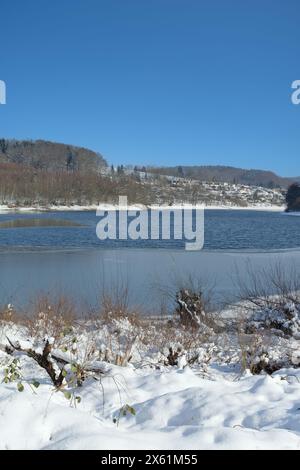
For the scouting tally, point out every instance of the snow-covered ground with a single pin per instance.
(175, 409)
(148, 405)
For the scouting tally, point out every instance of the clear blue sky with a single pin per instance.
(162, 82)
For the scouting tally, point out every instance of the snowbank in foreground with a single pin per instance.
(175, 409)
(179, 387)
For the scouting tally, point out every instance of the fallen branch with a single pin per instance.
(45, 360)
(54, 362)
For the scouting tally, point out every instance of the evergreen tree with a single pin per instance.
(180, 172)
(293, 197)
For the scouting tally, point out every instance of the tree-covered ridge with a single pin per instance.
(41, 173)
(228, 174)
(41, 154)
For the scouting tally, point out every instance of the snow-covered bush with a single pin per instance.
(176, 355)
(259, 353)
(283, 320)
(265, 351)
(271, 298)
(118, 338)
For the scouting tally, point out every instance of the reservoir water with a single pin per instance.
(59, 252)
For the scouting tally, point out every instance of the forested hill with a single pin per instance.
(41, 154)
(227, 174)
(52, 156)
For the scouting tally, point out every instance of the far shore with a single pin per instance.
(4, 208)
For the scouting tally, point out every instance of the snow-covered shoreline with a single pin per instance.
(77, 208)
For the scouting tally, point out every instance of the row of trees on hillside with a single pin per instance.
(23, 185)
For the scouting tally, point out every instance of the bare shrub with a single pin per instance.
(51, 317)
(271, 299)
(8, 314)
(116, 307)
(119, 324)
(114, 301)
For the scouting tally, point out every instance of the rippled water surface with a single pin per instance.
(224, 230)
(58, 252)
